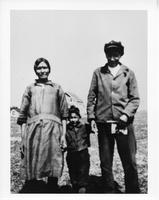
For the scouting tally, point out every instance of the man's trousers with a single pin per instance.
(126, 146)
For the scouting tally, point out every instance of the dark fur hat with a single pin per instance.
(74, 109)
(114, 46)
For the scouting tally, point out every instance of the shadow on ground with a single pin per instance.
(94, 186)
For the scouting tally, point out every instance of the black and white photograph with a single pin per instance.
(78, 89)
(78, 110)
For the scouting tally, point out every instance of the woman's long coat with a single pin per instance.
(43, 108)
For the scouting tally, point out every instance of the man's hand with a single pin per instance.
(94, 127)
(22, 151)
(122, 123)
(124, 118)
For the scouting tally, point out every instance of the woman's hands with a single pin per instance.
(63, 143)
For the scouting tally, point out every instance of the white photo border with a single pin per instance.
(153, 97)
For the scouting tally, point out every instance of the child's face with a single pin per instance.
(74, 118)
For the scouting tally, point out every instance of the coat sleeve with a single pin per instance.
(63, 104)
(88, 131)
(24, 106)
(92, 96)
(133, 96)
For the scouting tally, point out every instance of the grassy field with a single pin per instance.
(17, 175)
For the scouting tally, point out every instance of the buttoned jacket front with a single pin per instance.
(77, 137)
(109, 97)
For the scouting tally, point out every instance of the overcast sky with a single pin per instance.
(73, 42)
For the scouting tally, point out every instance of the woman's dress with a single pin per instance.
(43, 107)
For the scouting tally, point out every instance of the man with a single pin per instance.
(113, 101)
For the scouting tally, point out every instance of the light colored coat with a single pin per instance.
(43, 107)
(109, 97)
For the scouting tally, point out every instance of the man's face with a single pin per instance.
(113, 58)
(74, 119)
(42, 71)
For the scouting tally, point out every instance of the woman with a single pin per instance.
(44, 110)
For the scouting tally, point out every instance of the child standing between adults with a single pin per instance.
(78, 159)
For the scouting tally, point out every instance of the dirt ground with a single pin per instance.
(17, 175)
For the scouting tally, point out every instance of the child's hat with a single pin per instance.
(74, 109)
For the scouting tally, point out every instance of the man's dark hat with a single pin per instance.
(108, 47)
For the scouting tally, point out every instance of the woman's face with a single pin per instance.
(42, 71)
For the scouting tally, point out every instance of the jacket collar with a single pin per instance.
(123, 69)
(49, 82)
(77, 126)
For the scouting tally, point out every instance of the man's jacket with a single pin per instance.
(109, 97)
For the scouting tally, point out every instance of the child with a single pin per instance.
(77, 137)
